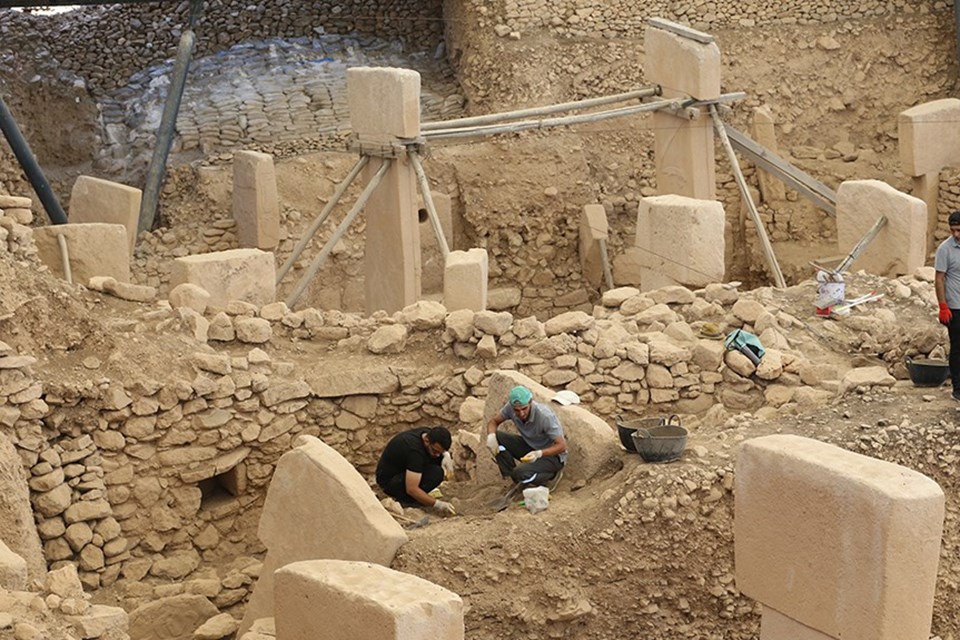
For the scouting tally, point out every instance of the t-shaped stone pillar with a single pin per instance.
(384, 108)
(833, 543)
(683, 148)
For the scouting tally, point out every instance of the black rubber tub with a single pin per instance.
(626, 429)
(927, 373)
(664, 443)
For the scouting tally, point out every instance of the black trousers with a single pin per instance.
(953, 330)
(396, 486)
(536, 473)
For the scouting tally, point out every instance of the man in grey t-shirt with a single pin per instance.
(946, 263)
(541, 446)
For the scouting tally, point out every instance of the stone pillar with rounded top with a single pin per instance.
(929, 140)
(835, 544)
(465, 280)
(683, 147)
(384, 112)
(256, 206)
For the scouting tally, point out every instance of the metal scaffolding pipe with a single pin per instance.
(645, 92)
(512, 127)
(165, 133)
(745, 192)
(322, 217)
(428, 201)
(341, 229)
(30, 165)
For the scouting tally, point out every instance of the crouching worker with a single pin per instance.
(540, 448)
(413, 464)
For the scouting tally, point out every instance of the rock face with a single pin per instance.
(173, 618)
(16, 517)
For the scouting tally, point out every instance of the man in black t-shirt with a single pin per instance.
(413, 464)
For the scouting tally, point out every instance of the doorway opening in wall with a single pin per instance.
(221, 488)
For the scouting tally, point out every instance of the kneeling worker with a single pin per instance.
(541, 447)
(413, 464)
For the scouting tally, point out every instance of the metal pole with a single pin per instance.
(512, 127)
(428, 201)
(745, 192)
(320, 219)
(168, 122)
(65, 258)
(645, 92)
(341, 229)
(30, 165)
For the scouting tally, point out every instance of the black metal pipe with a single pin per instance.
(30, 165)
(165, 133)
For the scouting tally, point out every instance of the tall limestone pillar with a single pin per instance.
(683, 148)
(384, 110)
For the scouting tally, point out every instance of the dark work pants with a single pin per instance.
(534, 474)
(396, 486)
(953, 330)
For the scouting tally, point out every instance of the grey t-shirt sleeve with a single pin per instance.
(940, 259)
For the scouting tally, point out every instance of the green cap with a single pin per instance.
(520, 396)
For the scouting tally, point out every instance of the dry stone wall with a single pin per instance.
(624, 18)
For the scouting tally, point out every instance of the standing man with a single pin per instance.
(413, 464)
(541, 447)
(947, 282)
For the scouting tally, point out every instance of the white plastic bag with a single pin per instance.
(830, 290)
(536, 499)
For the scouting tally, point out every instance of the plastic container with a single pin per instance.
(663, 443)
(536, 499)
(626, 429)
(927, 373)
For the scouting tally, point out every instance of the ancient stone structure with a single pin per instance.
(238, 274)
(593, 230)
(99, 200)
(680, 241)
(94, 249)
(465, 280)
(901, 245)
(318, 507)
(684, 150)
(929, 141)
(835, 542)
(256, 207)
(333, 599)
(385, 109)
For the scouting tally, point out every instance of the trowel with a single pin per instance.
(411, 523)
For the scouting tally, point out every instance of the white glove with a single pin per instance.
(492, 443)
(536, 454)
(444, 508)
(446, 463)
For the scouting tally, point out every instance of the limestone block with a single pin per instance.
(901, 245)
(776, 626)
(384, 101)
(592, 446)
(375, 380)
(593, 229)
(17, 529)
(772, 189)
(684, 156)
(627, 268)
(348, 523)
(237, 274)
(431, 257)
(333, 600)
(101, 621)
(95, 249)
(171, 617)
(465, 280)
(97, 200)
(15, 202)
(929, 136)
(256, 205)
(683, 67)
(681, 241)
(842, 543)
(13, 570)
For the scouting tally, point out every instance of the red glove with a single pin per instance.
(945, 314)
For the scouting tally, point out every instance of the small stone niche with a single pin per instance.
(223, 487)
